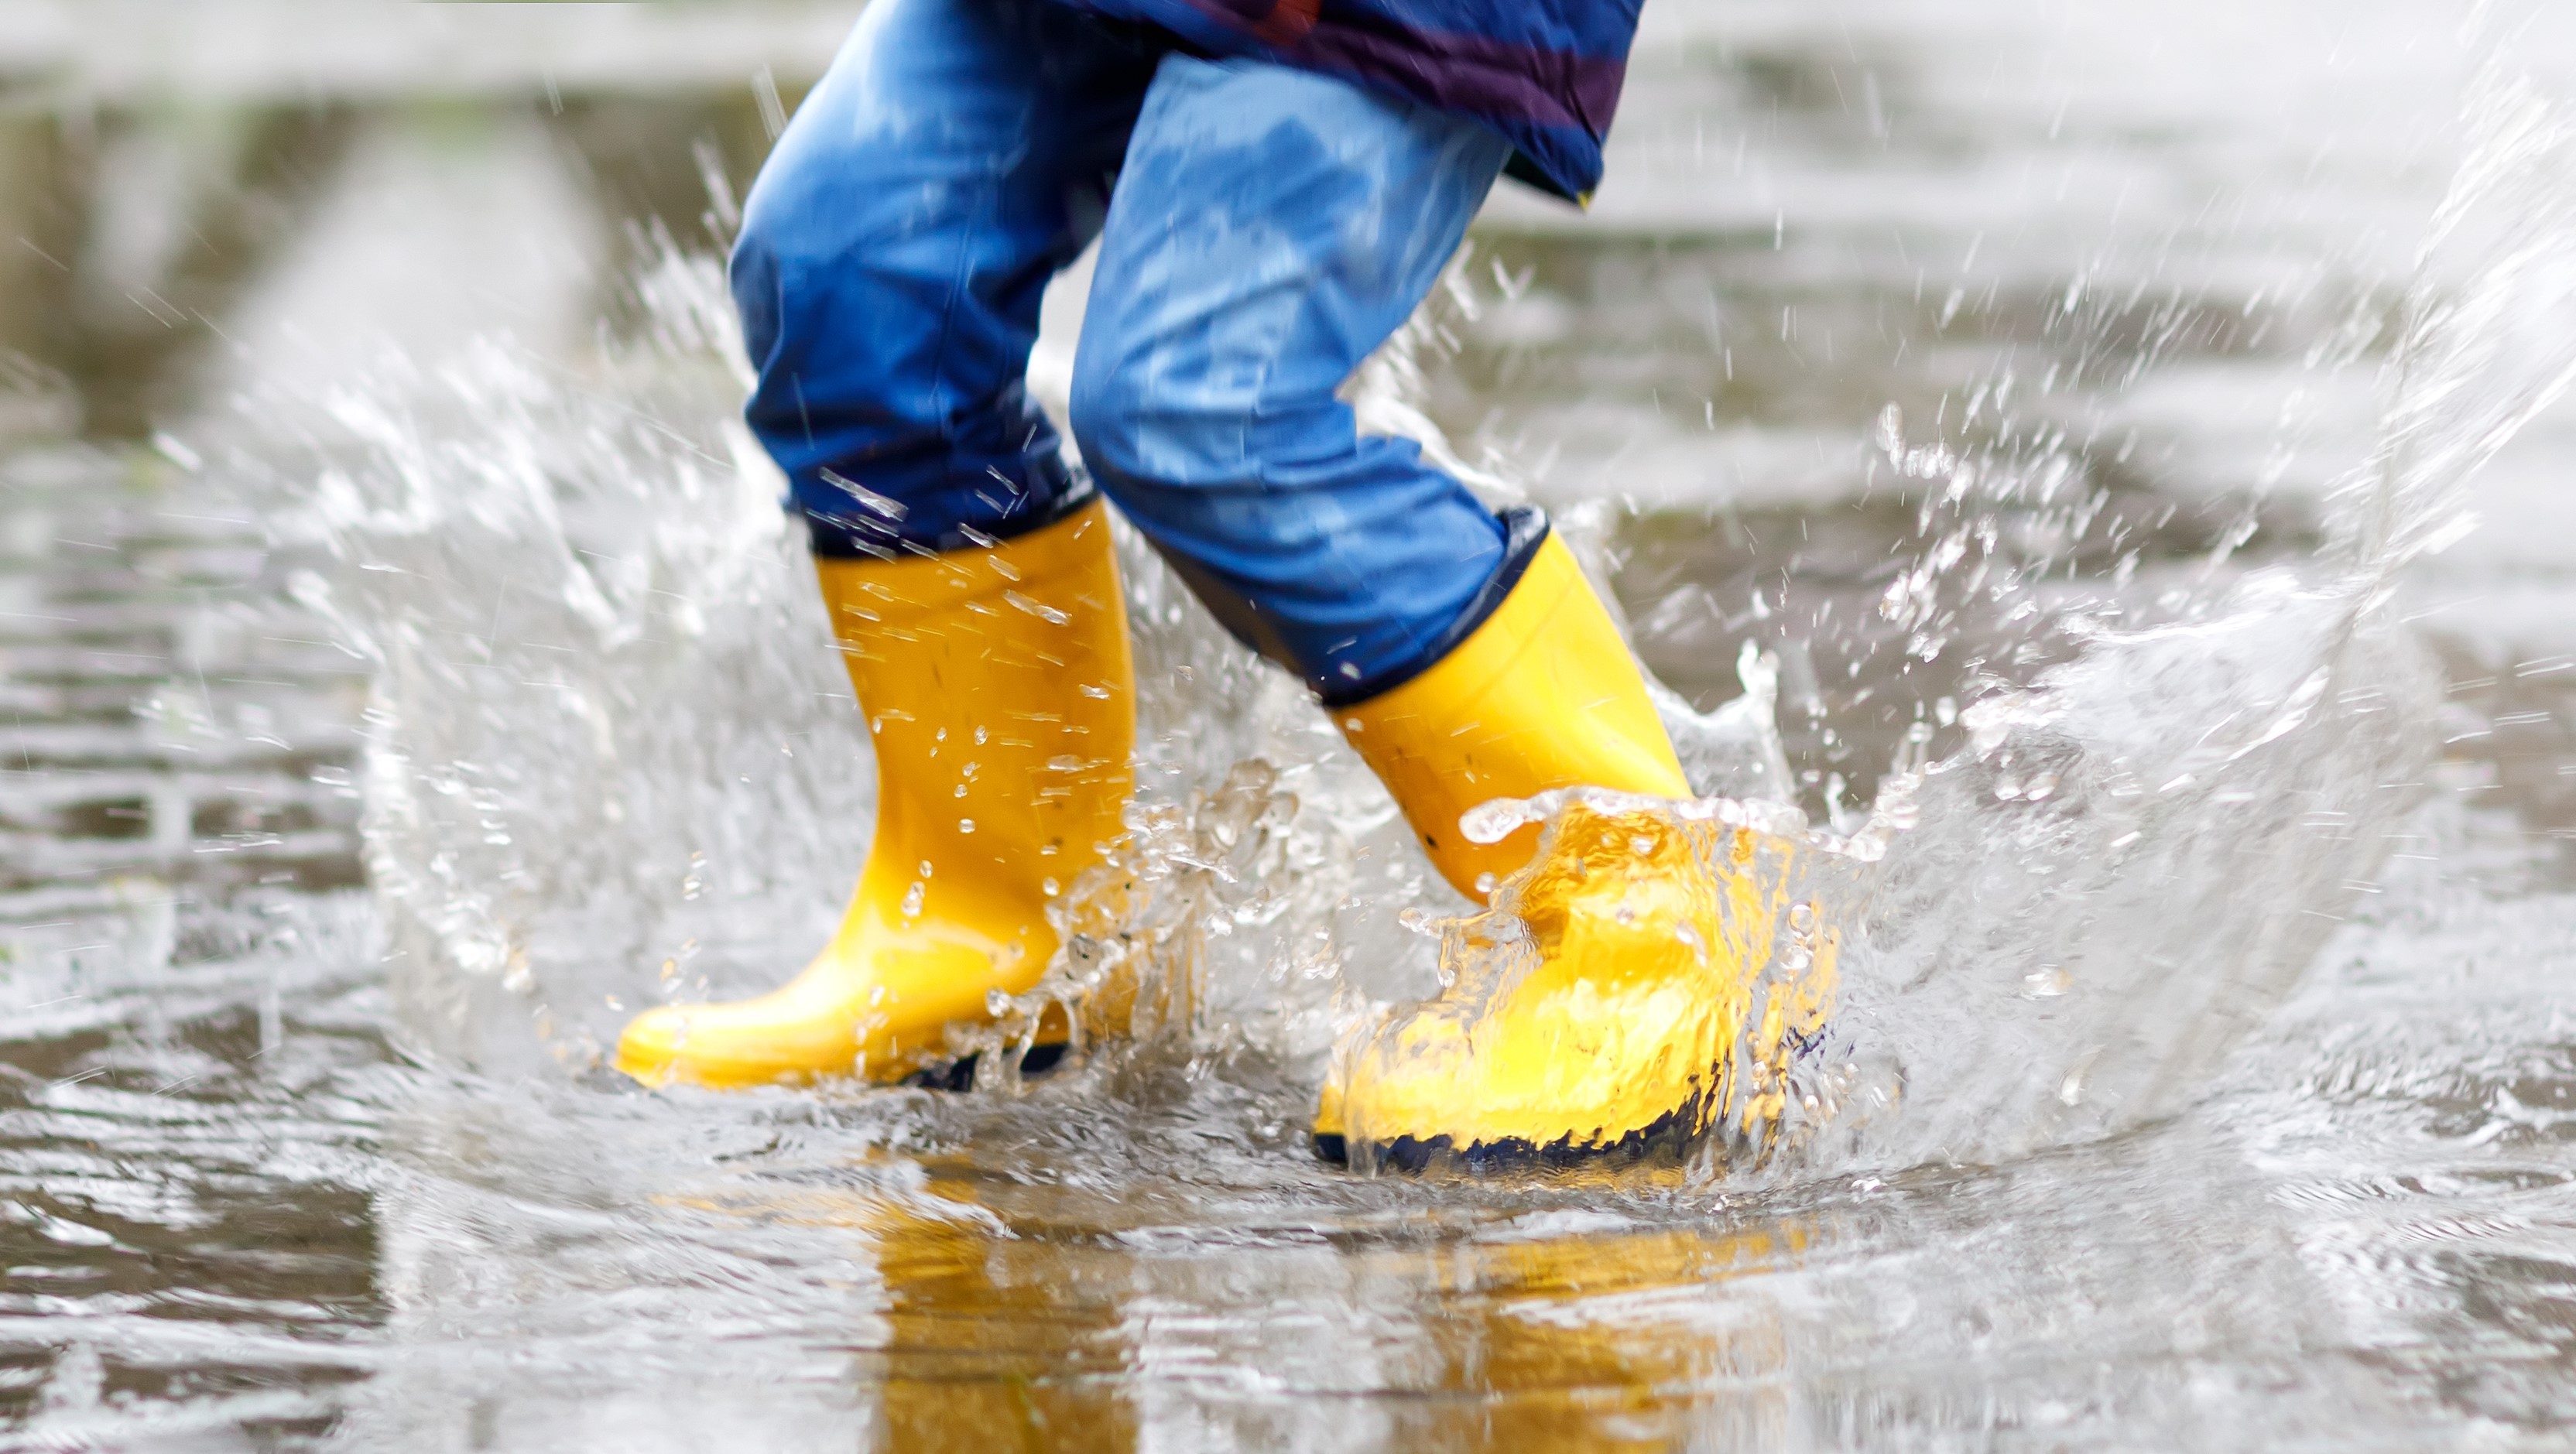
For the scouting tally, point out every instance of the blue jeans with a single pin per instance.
(1262, 230)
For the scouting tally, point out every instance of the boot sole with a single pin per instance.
(1669, 1135)
(959, 1075)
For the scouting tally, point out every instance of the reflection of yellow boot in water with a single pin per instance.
(1000, 695)
(1633, 985)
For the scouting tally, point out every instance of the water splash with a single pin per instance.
(1206, 932)
(612, 762)
(609, 755)
(2128, 862)
(2489, 328)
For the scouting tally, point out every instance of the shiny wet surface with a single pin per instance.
(287, 1165)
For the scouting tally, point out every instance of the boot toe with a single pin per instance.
(732, 1046)
(650, 1049)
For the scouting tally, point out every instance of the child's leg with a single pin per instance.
(893, 254)
(889, 272)
(1271, 228)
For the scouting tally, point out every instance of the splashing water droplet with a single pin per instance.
(1050, 887)
(925, 868)
(913, 898)
(965, 825)
(1495, 821)
(1039, 609)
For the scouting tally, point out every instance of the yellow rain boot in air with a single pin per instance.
(1613, 1023)
(1000, 694)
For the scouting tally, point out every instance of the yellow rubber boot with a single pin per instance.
(1635, 979)
(1000, 694)
(1542, 695)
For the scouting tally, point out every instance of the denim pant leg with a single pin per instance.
(894, 251)
(1270, 229)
